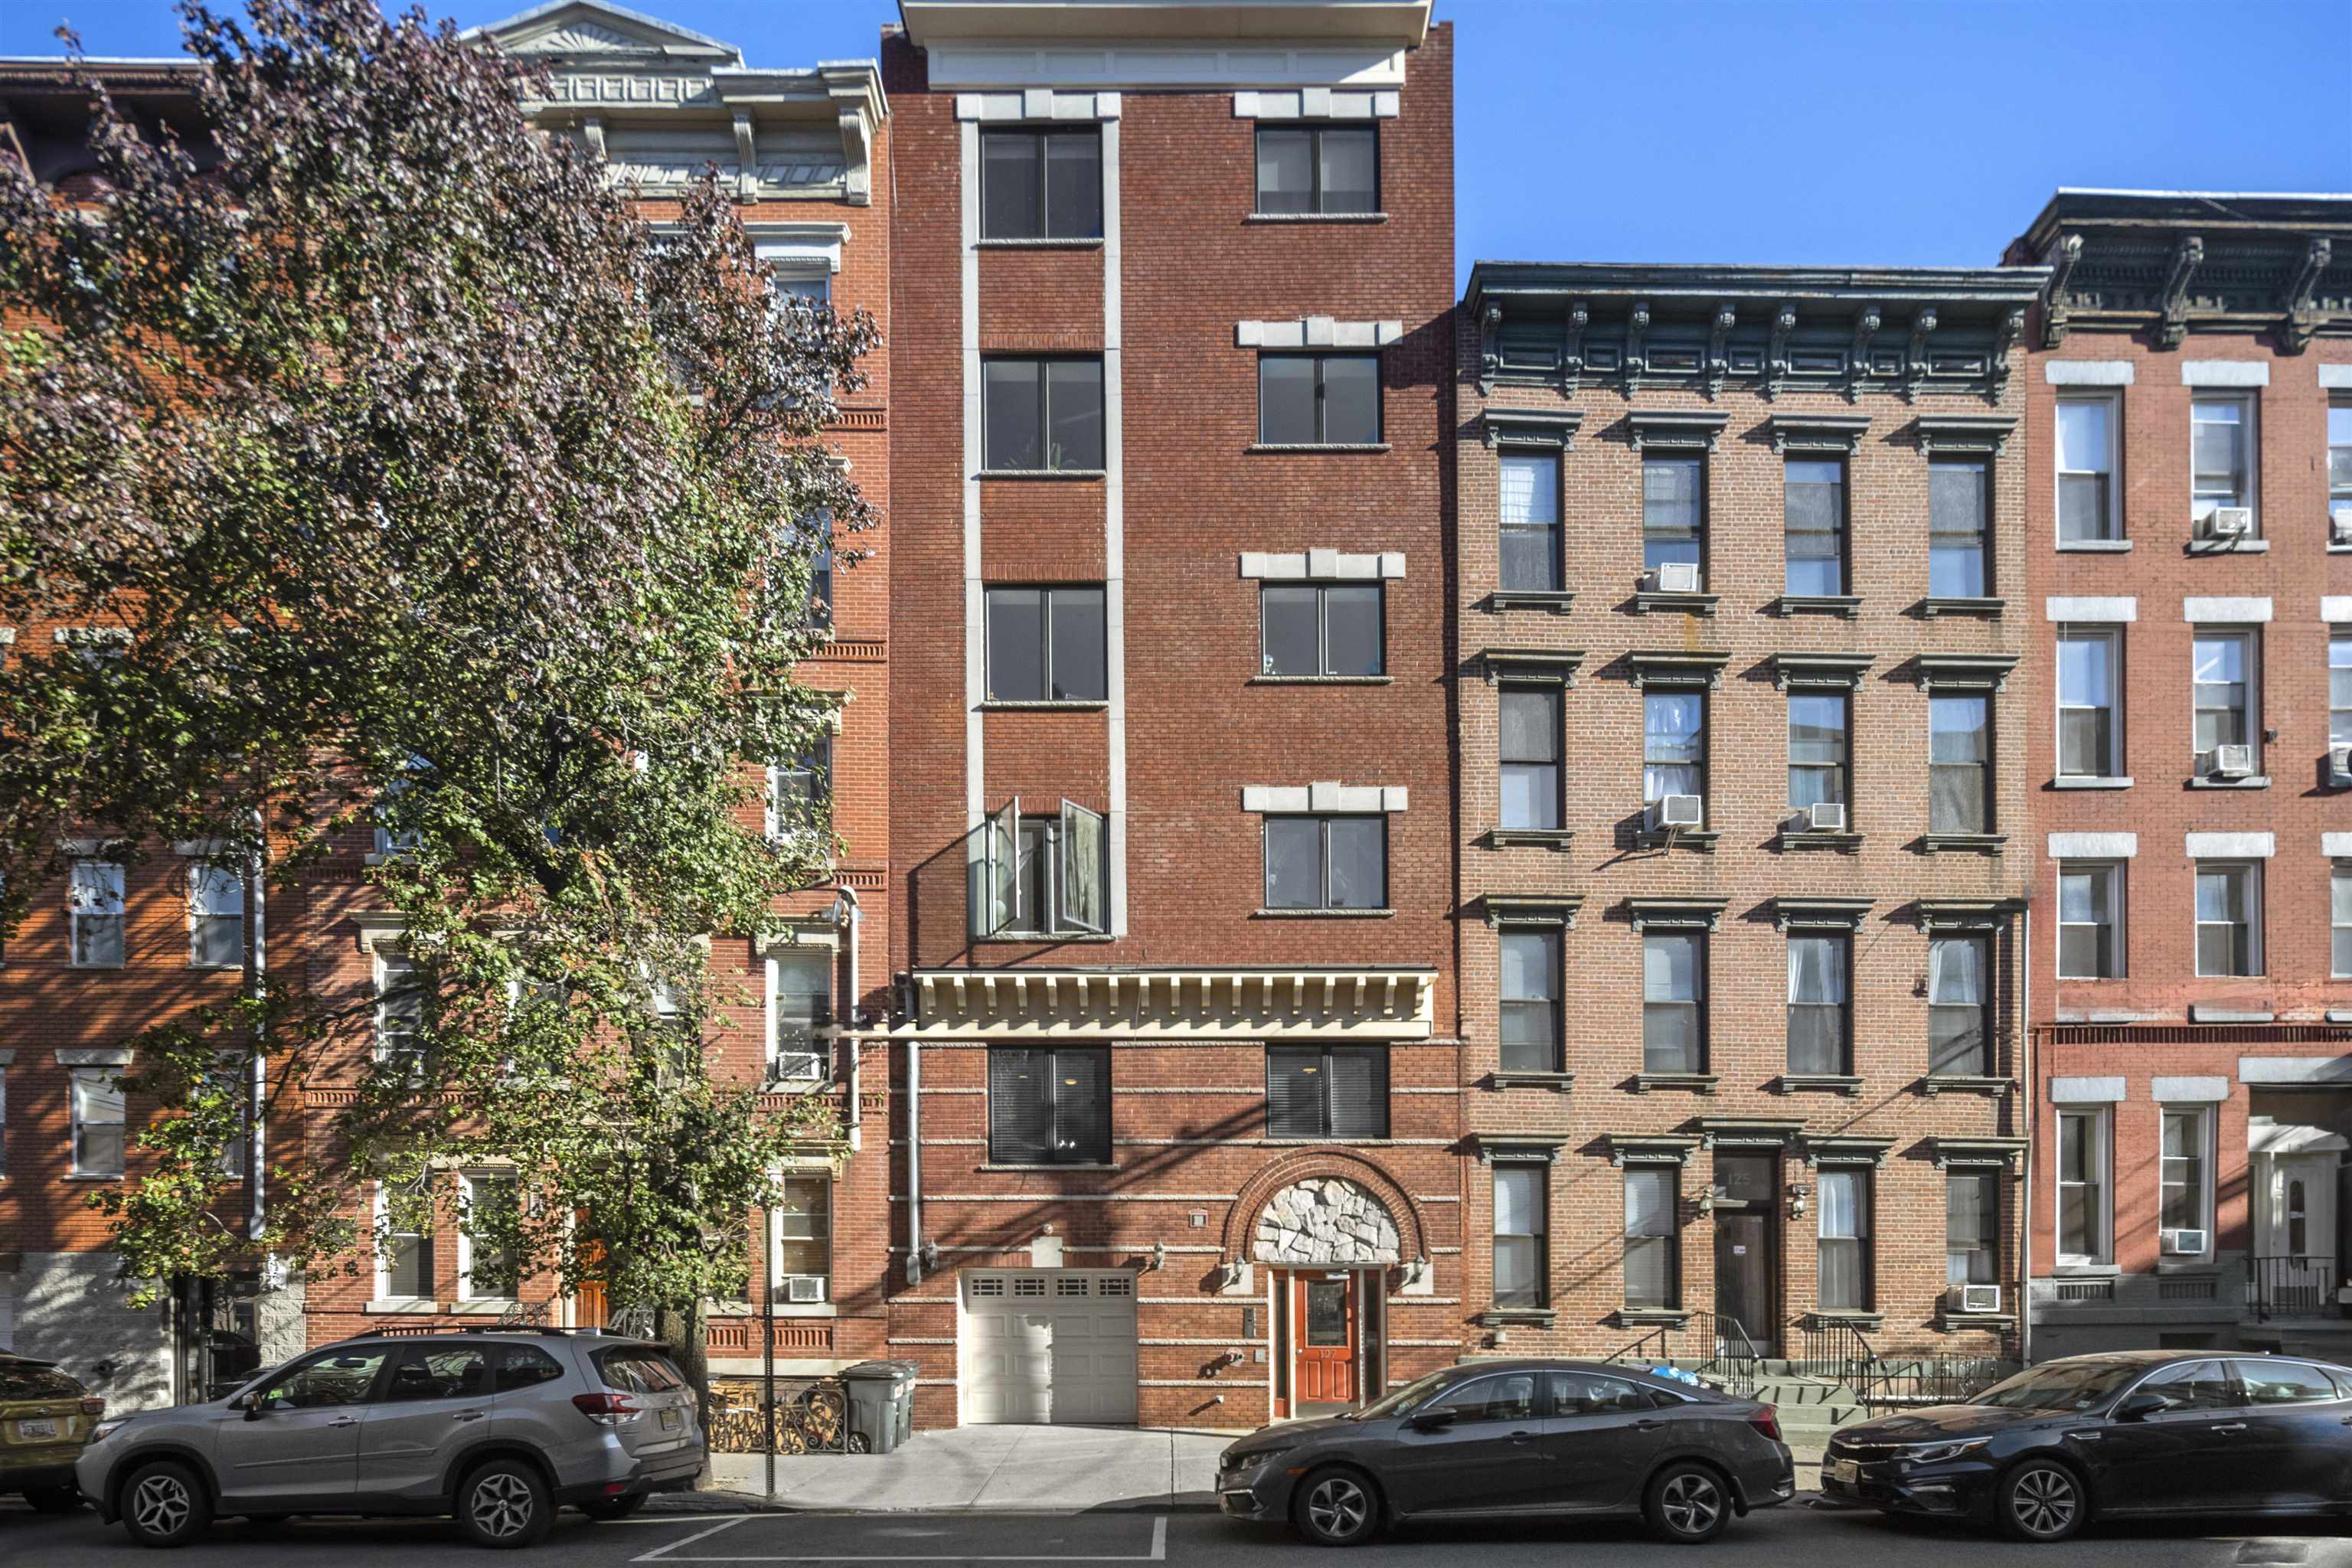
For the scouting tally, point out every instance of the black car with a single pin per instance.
(1515, 1438)
(2135, 1433)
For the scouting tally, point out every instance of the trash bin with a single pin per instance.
(902, 1396)
(872, 1390)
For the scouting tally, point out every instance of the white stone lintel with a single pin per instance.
(2218, 612)
(2090, 612)
(2336, 846)
(1330, 565)
(2189, 1090)
(2094, 845)
(2225, 373)
(1316, 332)
(2085, 1090)
(2088, 372)
(2336, 377)
(1319, 104)
(2336, 609)
(2230, 845)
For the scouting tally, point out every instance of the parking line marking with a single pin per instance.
(660, 1552)
(1158, 1552)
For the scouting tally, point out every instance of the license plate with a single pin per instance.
(1843, 1470)
(670, 1419)
(27, 1431)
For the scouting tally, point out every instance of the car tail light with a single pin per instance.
(93, 1408)
(1767, 1420)
(604, 1409)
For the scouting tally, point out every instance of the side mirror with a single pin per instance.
(2140, 1407)
(1435, 1420)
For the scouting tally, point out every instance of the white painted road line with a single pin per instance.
(1158, 1552)
(661, 1552)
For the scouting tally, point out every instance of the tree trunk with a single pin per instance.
(686, 1332)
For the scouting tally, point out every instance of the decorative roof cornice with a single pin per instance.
(1707, 288)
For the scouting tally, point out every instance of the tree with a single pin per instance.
(385, 467)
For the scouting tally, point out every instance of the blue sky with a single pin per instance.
(1888, 132)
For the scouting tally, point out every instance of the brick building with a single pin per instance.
(1170, 792)
(1742, 845)
(2188, 491)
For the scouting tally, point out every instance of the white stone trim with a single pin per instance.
(975, 596)
(1328, 566)
(2225, 373)
(2085, 1090)
(798, 242)
(2336, 846)
(2226, 612)
(2189, 1090)
(1114, 524)
(92, 1056)
(2336, 609)
(2336, 377)
(1084, 63)
(1318, 104)
(1316, 332)
(2094, 845)
(2091, 611)
(1325, 796)
(1037, 104)
(2230, 846)
(2088, 372)
(2294, 1069)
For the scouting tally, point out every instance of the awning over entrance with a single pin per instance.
(1396, 1004)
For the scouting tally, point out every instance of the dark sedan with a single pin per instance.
(2137, 1433)
(1510, 1439)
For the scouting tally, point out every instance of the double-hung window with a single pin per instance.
(1674, 745)
(399, 1011)
(1960, 763)
(94, 914)
(2185, 1199)
(2090, 921)
(1326, 1091)
(2088, 736)
(1814, 497)
(1041, 183)
(1818, 748)
(2087, 513)
(2220, 451)
(1820, 1011)
(1036, 876)
(1972, 1228)
(2339, 690)
(1047, 645)
(488, 1256)
(2340, 923)
(2339, 471)
(1673, 1002)
(98, 1123)
(1530, 748)
(802, 1217)
(1530, 522)
(2223, 692)
(1319, 400)
(1319, 629)
(2229, 918)
(1322, 170)
(1842, 1277)
(800, 1012)
(1959, 1006)
(1041, 416)
(215, 917)
(1049, 1107)
(405, 1255)
(1327, 863)
(1522, 1223)
(1959, 500)
(1653, 1236)
(2083, 1217)
(800, 796)
(1530, 1000)
(1673, 513)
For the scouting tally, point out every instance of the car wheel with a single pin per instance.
(505, 1504)
(614, 1507)
(2042, 1500)
(1336, 1508)
(163, 1504)
(53, 1500)
(1687, 1504)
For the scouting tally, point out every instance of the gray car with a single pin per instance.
(1512, 1439)
(497, 1430)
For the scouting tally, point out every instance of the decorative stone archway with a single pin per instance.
(1324, 1222)
(1367, 1188)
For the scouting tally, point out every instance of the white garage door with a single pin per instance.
(1048, 1345)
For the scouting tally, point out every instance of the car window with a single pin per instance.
(23, 1380)
(438, 1371)
(2062, 1385)
(1592, 1394)
(2285, 1383)
(2195, 1385)
(526, 1366)
(639, 1372)
(1510, 1398)
(341, 1377)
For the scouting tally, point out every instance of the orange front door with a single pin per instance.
(1323, 1331)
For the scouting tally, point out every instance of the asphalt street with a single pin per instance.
(1781, 1538)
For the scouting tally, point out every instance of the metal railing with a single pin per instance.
(1839, 1352)
(2292, 1284)
(1717, 1343)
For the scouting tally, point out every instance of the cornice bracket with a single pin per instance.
(2064, 252)
(1776, 352)
(1490, 351)
(1865, 327)
(1718, 362)
(1572, 348)
(2302, 320)
(1637, 350)
(1915, 362)
(2186, 260)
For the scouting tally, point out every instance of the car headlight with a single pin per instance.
(1937, 1453)
(1263, 1456)
(105, 1429)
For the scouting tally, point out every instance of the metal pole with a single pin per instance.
(767, 1338)
(2027, 1070)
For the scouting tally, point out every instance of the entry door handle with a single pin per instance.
(344, 1421)
(2228, 1427)
(1647, 1426)
(466, 1416)
(1523, 1436)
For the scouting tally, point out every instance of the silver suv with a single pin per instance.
(496, 1429)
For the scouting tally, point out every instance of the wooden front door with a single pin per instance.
(1324, 1333)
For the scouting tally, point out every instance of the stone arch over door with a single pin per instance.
(1353, 1212)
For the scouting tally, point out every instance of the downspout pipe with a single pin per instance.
(847, 911)
(2032, 1132)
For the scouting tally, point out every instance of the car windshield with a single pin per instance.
(28, 1380)
(2076, 1385)
(1410, 1395)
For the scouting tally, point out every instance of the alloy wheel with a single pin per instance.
(1338, 1506)
(1691, 1503)
(161, 1504)
(502, 1504)
(2044, 1501)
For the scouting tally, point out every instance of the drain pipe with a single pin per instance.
(845, 909)
(914, 1157)
(2033, 1127)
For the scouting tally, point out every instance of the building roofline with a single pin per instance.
(1398, 24)
(2210, 212)
(1990, 285)
(550, 7)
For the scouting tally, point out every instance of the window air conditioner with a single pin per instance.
(2233, 762)
(797, 1065)
(1974, 1298)
(804, 1287)
(1678, 577)
(1826, 817)
(2182, 1242)
(2344, 525)
(2229, 521)
(1681, 811)
(2339, 764)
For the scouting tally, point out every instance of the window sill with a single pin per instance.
(96, 968)
(2086, 1271)
(215, 968)
(1697, 840)
(1983, 609)
(1807, 839)
(1031, 938)
(1316, 217)
(1847, 606)
(1529, 838)
(1072, 1165)
(1041, 474)
(1651, 1317)
(1530, 1077)
(85, 1176)
(1963, 843)
(1832, 1083)
(1955, 1322)
(1324, 915)
(2339, 550)
(1555, 600)
(1869, 1320)
(1042, 243)
(482, 1307)
(1693, 1082)
(400, 1306)
(1650, 602)
(1050, 705)
(2093, 546)
(1934, 1084)
(1515, 1316)
(2207, 780)
(1322, 681)
(802, 1308)
(2092, 781)
(2227, 547)
(1267, 448)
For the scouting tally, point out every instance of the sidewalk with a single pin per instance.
(1011, 1470)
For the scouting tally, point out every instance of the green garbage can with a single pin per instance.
(872, 1390)
(902, 1396)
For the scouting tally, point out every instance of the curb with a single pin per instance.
(690, 1504)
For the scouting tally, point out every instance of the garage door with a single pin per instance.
(1048, 1345)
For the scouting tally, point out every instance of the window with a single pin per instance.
(439, 1372)
(1960, 496)
(1041, 875)
(2224, 694)
(1327, 863)
(399, 1011)
(800, 1004)
(2082, 1186)
(1041, 184)
(801, 790)
(1319, 400)
(1843, 1276)
(94, 914)
(1530, 1001)
(1674, 745)
(339, 1377)
(803, 1216)
(2228, 919)
(1813, 502)
(2269, 1383)
(1049, 1107)
(2087, 704)
(489, 1264)
(820, 595)
(2339, 690)
(2339, 473)
(1326, 1091)
(1959, 1006)
(1972, 1228)
(2090, 921)
(404, 1264)
(2221, 440)
(1510, 1398)
(98, 1123)
(1673, 1002)
(1042, 414)
(1673, 519)
(1047, 645)
(2186, 1197)
(1530, 522)
(2086, 470)
(1530, 738)
(215, 917)
(1590, 1393)
(2341, 924)
(1959, 765)
(1521, 1224)
(1818, 727)
(1321, 169)
(2195, 1385)
(1819, 1011)
(1307, 628)
(1652, 1240)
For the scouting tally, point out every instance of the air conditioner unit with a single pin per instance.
(2233, 762)
(2339, 764)
(1974, 1298)
(797, 1066)
(804, 1287)
(2183, 1243)
(2229, 521)
(1674, 811)
(2344, 525)
(1826, 817)
(1678, 577)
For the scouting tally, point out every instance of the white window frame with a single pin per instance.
(2103, 1211)
(2249, 451)
(2111, 765)
(75, 1124)
(1863, 1242)
(200, 874)
(89, 896)
(2253, 872)
(2117, 876)
(2251, 638)
(780, 1306)
(2203, 1112)
(386, 964)
(819, 1052)
(467, 1183)
(383, 1260)
(2339, 917)
(2113, 405)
